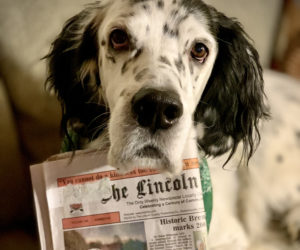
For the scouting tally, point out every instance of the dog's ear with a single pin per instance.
(74, 73)
(233, 101)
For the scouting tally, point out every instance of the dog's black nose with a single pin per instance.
(156, 109)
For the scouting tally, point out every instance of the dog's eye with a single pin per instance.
(119, 39)
(199, 52)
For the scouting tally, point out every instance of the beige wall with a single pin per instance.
(259, 18)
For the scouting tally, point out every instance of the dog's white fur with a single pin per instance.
(126, 137)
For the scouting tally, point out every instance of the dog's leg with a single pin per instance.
(252, 205)
(292, 222)
(226, 230)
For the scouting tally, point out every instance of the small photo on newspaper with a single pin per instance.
(84, 204)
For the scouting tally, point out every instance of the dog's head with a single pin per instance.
(137, 76)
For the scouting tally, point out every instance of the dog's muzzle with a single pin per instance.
(156, 109)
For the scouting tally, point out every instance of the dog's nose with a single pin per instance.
(156, 109)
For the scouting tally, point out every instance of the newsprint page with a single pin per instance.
(84, 204)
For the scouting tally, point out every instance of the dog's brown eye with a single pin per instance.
(199, 52)
(119, 39)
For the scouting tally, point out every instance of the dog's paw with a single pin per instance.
(227, 233)
(292, 223)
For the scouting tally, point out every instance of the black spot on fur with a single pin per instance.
(174, 33)
(174, 13)
(182, 18)
(180, 83)
(162, 66)
(134, 69)
(123, 93)
(179, 64)
(160, 4)
(146, 7)
(279, 158)
(297, 133)
(139, 1)
(170, 32)
(186, 44)
(138, 53)
(165, 60)
(124, 67)
(196, 78)
(127, 15)
(178, 18)
(191, 66)
(110, 58)
(166, 28)
(139, 76)
(103, 43)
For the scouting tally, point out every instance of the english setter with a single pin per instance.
(139, 77)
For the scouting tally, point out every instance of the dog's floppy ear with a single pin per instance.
(73, 71)
(233, 101)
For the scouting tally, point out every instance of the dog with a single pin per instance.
(137, 78)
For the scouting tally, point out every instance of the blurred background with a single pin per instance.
(29, 117)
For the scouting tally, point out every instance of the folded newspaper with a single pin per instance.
(84, 204)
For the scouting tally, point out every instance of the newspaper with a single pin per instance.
(83, 203)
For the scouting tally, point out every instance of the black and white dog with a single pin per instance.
(138, 77)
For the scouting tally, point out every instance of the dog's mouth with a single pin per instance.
(135, 146)
(149, 152)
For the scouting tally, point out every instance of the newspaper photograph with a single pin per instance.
(143, 209)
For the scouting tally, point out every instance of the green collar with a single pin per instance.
(70, 142)
(206, 190)
(204, 174)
